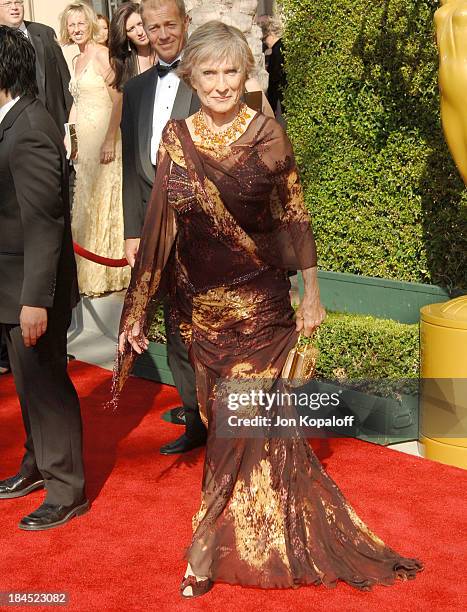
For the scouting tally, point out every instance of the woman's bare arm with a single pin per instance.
(310, 313)
(108, 146)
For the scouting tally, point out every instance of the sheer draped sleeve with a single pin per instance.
(291, 244)
(150, 275)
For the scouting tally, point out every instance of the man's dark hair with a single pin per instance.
(17, 64)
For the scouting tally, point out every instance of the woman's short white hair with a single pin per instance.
(216, 41)
(89, 15)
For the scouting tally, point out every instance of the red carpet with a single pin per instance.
(126, 553)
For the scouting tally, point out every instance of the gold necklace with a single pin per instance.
(224, 137)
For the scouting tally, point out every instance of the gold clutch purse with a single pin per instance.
(300, 364)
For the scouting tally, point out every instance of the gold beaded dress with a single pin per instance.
(97, 213)
(224, 226)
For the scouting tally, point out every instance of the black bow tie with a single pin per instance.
(163, 70)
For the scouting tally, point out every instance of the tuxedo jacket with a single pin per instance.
(53, 76)
(136, 126)
(37, 264)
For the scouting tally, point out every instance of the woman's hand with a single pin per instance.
(107, 154)
(66, 144)
(310, 314)
(131, 250)
(137, 340)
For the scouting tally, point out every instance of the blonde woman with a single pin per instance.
(97, 222)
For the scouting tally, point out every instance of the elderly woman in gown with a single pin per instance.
(225, 224)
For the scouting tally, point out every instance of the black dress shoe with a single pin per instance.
(183, 444)
(18, 486)
(48, 516)
(176, 416)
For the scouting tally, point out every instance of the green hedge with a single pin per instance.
(363, 114)
(363, 347)
(355, 347)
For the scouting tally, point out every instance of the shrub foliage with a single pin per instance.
(358, 347)
(363, 114)
(354, 347)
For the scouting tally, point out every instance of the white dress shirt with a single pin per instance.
(23, 29)
(166, 92)
(6, 107)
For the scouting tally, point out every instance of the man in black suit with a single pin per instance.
(38, 289)
(52, 74)
(149, 101)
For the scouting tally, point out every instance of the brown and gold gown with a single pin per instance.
(223, 227)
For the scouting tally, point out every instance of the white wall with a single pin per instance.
(45, 11)
(48, 12)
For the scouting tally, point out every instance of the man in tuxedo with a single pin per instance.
(149, 101)
(52, 74)
(38, 289)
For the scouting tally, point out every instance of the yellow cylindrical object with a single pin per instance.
(451, 36)
(443, 370)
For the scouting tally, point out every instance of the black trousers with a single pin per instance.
(184, 378)
(50, 409)
(4, 361)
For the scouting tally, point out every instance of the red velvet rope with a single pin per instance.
(104, 261)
